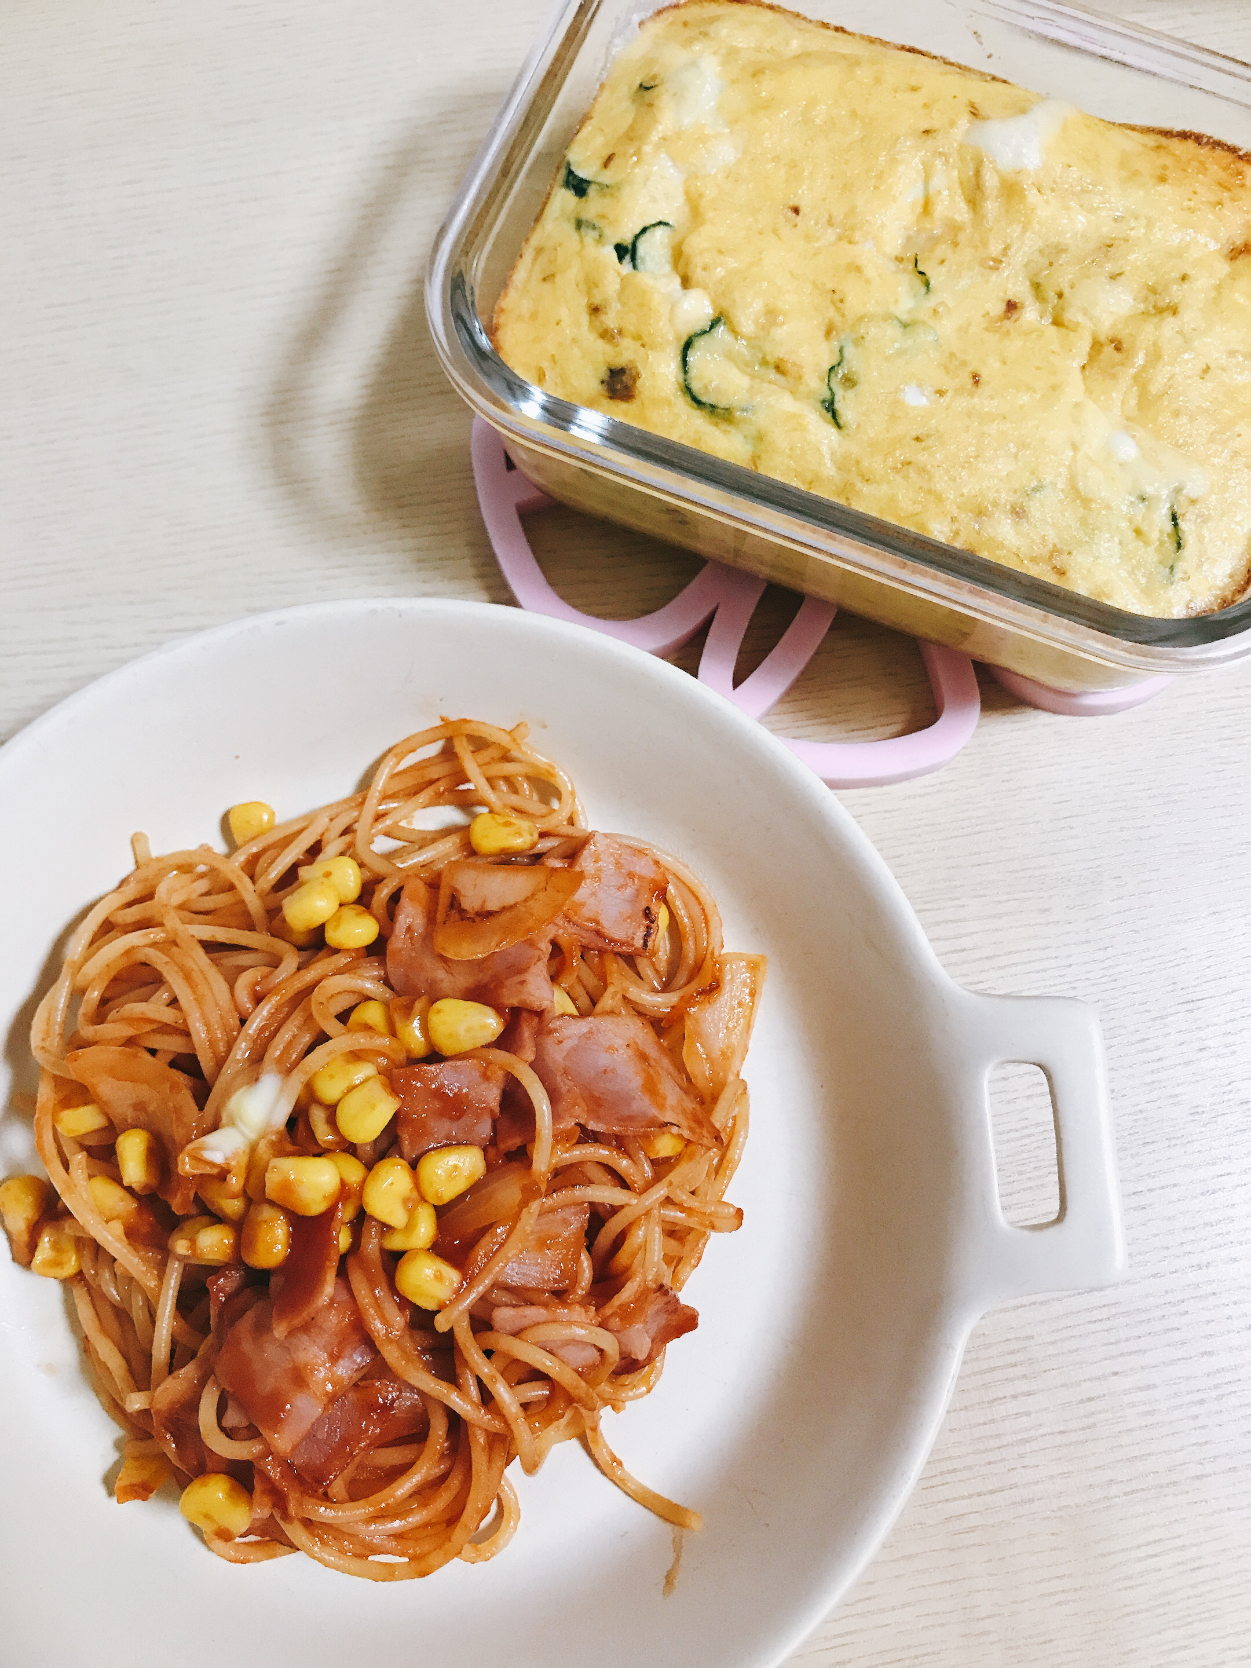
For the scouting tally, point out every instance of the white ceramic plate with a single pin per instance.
(799, 1414)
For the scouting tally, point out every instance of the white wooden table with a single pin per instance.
(218, 396)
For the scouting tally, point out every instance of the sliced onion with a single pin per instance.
(719, 1025)
(469, 940)
(500, 1196)
(486, 888)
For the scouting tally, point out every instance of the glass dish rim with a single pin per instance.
(527, 413)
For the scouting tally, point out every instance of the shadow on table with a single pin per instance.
(366, 437)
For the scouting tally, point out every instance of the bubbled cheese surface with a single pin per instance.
(926, 294)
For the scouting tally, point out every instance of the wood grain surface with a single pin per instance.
(218, 396)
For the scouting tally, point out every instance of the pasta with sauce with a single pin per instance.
(380, 1152)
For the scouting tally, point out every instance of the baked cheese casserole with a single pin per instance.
(915, 289)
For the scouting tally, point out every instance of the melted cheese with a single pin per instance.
(1019, 142)
(989, 318)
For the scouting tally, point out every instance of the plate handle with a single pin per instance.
(1084, 1247)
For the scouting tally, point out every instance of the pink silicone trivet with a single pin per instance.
(727, 598)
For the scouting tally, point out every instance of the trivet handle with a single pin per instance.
(505, 495)
(900, 758)
(1084, 1247)
(729, 598)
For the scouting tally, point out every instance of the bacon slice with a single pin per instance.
(646, 1324)
(513, 1318)
(225, 1286)
(308, 1275)
(515, 1125)
(611, 1072)
(520, 1036)
(618, 903)
(284, 1385)
(447, 1103)
(134, 1091)
(512, 978)
(518, 1317)
(550, 1261)
(719, 1024)
(176, 1414)
(376, 1411)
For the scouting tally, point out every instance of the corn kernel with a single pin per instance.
(140, 1477)
(56, 1254)
(352, 1174)
(23, 1200)
(306, 1186)
(111, 1200)
(495, 832)
(265, 1238)
(345, 1238)
(203, 1239)
(418, 1232)
(343, 873)
(365, 1111)
(426, 1280)
(282, 928)
(77, 1121)
(139, 1160)
(182, 1240)
(454, 1026)
(565, 1003)
(310, 905)
(448, 1171)
(217, 1504)
(231, 1207)
(249, 819)
(409, 1019)
(216, 1244)
(391, 1192)
(371, 1016)
(351, 927)
(662, 1143)
(337, 1076)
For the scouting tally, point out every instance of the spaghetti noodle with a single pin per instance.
(382, 1148)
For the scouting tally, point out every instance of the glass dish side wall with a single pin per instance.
(597, 462)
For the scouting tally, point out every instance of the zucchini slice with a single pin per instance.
(575, 182)
(649, 249)
(711, 378)
(838, 380)
(830, 403)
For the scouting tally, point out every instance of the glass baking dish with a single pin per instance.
(798, 539)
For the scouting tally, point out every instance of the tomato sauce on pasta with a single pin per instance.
(381, 1150)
